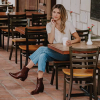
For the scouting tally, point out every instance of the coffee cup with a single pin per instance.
(64, 40)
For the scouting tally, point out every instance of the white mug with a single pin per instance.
(64, 40)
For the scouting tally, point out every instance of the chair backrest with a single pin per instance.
(81, 53)
(16, 21)
(83, 34)
(28, 10)
(3, 8)
(36, 19)
(39, 34)
(3, 21)
(44, 22)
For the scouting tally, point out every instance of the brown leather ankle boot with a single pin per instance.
(16, 72)
(22, 75)
(39, 87)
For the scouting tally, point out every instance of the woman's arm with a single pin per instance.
(51, 35)
(76, 40)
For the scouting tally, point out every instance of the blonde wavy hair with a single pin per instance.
(63, 14)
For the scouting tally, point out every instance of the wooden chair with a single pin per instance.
(86, 73)
(39, 35)
(36, 19)
(7, 32)
(59, 64)
(3, 8)
(16, 41)
(3, 25)
(31, 10)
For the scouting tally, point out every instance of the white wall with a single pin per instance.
(12, 2)
(81, 14)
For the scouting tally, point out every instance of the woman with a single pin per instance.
(56, 30)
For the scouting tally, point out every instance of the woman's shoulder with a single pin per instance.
(68, 23)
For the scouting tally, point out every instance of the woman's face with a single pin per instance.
(56, 14)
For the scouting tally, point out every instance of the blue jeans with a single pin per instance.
(44, 54)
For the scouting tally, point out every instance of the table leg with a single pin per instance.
(98, 82)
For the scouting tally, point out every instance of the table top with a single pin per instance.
(58, 47)
(5, 4)
(28, 14)
(22, 29)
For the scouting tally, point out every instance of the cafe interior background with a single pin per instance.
(80, 16)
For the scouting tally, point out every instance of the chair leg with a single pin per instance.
(7, 43)
(98, 81)
(64, 90)
(47, 67)
(56, 77)
(16, 53)
(20, 59)
(52, 77)
(3, 41)
(90, 92)
(11, 51)
(70, 89)
(26, 59)
(95, 88)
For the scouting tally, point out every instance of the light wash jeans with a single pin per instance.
(44, 54)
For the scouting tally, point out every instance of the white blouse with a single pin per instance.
(69, 29)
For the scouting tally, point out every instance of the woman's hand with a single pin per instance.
(68, 43)
(53, 22)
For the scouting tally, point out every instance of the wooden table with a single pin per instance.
(28, 14)
(21, 30)
(58, 47)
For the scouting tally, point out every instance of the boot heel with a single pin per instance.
(42, 90)
(22, 79)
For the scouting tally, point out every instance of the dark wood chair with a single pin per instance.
(7, 32)
(83, 72)
(16, 41)
(36, 19)
(39, 35)
(3, 25)
(3, 8)
(59, 64)
(31, 10)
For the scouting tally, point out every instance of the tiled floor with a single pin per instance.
(14, 89)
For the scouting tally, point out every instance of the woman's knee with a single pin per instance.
(43, 56)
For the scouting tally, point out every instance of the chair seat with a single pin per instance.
(4, 27)
(21, 40)
(31, 47)
(6, 30)
(63, 62)
(80, 72)
(6, 19)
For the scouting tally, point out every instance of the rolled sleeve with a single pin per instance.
(72, 28)
(48, 28)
